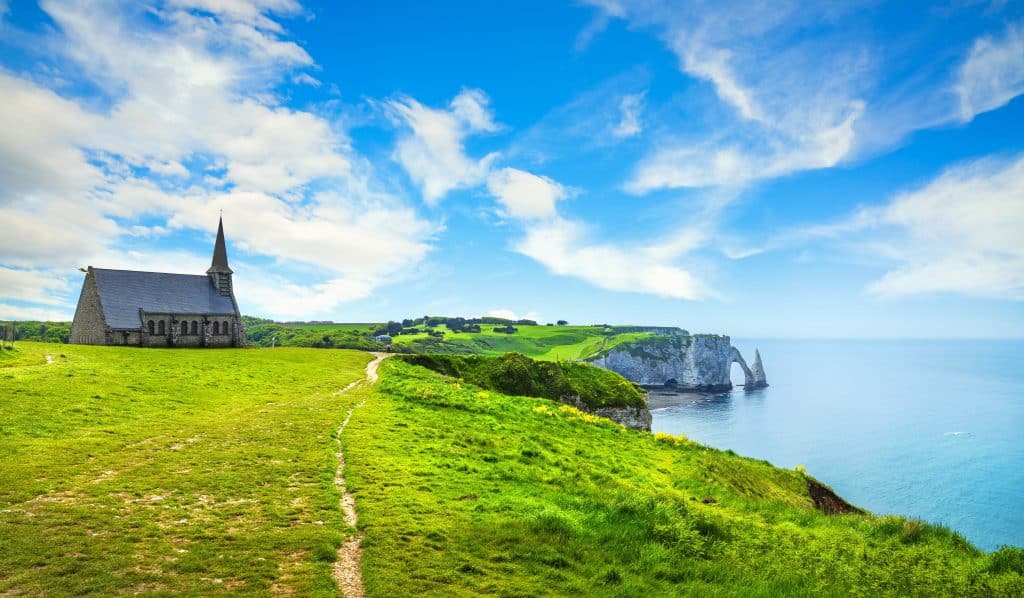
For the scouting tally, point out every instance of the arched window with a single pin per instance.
(162, 328)
(216, 327)
(224, 328)
(152, 327)
(195, 327)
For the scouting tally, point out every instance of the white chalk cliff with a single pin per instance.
(699, 362)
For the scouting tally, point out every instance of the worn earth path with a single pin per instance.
(347, 569)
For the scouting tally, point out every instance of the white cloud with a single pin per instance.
(600, 118)
(246, 11)
(564, 248)
(38, 286)
(716, 163)
(525, 195)
(796, 111)
(993, 73)
(307, 79)
(433, 152)
(39, 144)
(508, 314)
(191, 124)
(714, 65)
(960, 233)
(18, 312)
(630, 107)
(281, 299)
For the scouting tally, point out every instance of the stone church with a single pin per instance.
(154, 309)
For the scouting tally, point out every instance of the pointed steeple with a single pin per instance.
(220, 252)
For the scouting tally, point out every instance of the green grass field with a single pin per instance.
(166, 472)
(170, 471)
(463, 491)
(548, 343)
(539, 342)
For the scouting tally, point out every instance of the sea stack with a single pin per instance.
(757, 377)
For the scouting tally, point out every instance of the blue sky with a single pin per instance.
(775, 169)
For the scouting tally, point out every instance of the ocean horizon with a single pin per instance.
(924, 428)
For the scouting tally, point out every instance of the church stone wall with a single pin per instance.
(89, 327)
(178, 331)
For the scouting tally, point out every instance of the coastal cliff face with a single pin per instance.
(638, 418)
(699, 363)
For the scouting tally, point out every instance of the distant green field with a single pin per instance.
(170, 471)
(539, 342)
(548, 343)
(463, 492)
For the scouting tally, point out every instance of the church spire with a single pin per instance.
(220, 252)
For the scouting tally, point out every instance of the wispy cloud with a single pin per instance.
(508, 314)
(566, 248)
(524, 195)
(799, 93)
(993, 73)
(793, 112)
(630, 108)
(608, 115)
(959, 233)
(433, 152)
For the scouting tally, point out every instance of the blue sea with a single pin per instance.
(927, 429)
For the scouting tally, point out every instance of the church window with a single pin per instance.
(216, 327)
(195, 327)
(162, 328)
(152, 327)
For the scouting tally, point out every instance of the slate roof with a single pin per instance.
(124, 292)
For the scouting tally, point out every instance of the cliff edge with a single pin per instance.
(700, 362)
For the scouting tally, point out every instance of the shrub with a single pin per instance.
(516, 374)
(1007, 559)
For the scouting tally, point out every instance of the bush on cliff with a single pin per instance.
(516, 374)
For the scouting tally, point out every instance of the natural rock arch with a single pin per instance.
(753, 376)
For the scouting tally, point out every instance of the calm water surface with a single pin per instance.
(929, 429)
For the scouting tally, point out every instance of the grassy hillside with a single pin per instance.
(514, 373)
(464, 491)
(170, 471)
(47, 332)
(539, 342)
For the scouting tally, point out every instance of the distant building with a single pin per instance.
(154, 309)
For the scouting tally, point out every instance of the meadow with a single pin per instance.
(164, 471)
(465, 491)
(161, 471)
(539, 342)
(549, 343)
